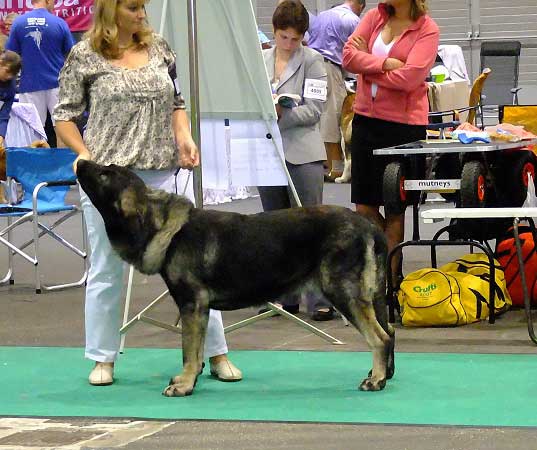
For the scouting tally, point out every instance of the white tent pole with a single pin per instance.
(195, 122)
(127, 307)
(163, 15)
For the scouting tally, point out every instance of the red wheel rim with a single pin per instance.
(402, 192)
(528, 168)
(481, 188)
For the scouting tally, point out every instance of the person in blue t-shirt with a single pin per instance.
(10, 64)
(43, 40)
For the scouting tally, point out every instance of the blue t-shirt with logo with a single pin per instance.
(43, 40)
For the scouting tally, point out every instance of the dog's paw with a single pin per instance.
(178, 388)
(390, 372)
(372, 384)
(342, 179)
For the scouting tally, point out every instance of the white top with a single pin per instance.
(379, 49)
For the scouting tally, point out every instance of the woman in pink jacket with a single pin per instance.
(392, 50)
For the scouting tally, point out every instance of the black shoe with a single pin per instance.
(293, 309)
(322, 316)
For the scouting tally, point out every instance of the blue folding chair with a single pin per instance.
(45, 175)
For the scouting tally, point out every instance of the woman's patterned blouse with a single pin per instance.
(130, 110)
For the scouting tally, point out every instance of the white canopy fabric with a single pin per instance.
(233, 78)
(240, 139)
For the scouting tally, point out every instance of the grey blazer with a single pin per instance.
(299, 126)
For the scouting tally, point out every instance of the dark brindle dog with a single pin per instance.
(226, 261)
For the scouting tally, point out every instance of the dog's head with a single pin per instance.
(140, 222)
(114, 190)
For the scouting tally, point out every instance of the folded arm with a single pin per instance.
(415, 69)
(358, 59)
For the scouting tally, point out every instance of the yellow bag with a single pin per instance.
(477, 264)
(454, 295)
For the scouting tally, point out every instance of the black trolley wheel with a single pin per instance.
(393, 189)
(523, 164)
(473, 185)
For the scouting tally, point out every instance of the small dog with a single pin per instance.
(227, 261)
(347, 114)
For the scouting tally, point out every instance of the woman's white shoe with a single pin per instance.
(102, 374)
(226, 371)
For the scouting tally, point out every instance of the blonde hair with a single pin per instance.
(104, 34)
(12, 16)
(418, 8)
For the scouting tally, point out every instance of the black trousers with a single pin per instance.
(369, 134)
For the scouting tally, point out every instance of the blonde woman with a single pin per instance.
(392, 50)
(124, 75)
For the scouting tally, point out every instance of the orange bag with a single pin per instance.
(506, 255)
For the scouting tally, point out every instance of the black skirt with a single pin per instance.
(369, 134)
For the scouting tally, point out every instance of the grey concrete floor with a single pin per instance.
(56, 319)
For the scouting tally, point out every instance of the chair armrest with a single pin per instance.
(468, 108)
(61, 183)
(515, 90)
(43, 184)
(449, 112)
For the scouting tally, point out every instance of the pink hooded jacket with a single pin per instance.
(402, 93)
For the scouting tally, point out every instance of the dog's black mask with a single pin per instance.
(120, 197)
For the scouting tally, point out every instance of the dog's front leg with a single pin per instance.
(194, 318)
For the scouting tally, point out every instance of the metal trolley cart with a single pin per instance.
(494, 174)
(474, 175)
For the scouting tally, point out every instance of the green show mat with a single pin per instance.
(296, 386)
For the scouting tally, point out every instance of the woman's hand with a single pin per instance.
(189, 156)
(359, 43)
(83, 155)
(392, 64)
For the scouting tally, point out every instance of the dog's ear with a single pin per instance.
(178, 213)
(130, 203)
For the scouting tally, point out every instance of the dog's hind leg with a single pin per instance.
(362, 316)
(361, 313)
(381, 312)
(194, 318)
(382, 317)
(355, 290)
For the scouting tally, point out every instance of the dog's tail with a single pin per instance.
(379, 255)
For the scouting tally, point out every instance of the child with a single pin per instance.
(10, 65)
